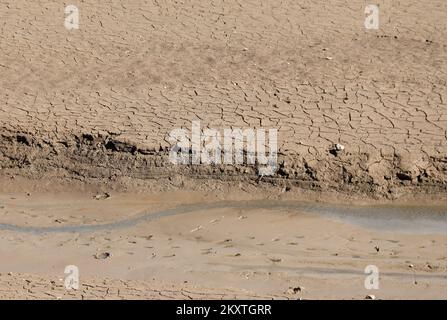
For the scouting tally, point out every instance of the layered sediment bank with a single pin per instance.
(108, 160)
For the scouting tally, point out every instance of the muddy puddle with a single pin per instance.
(394, 218)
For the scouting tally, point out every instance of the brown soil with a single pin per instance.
(88, 158)
(89, 111)
(99, 102)
(215, 253)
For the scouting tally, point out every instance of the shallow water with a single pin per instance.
(405, 219)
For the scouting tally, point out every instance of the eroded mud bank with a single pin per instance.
(86, 156)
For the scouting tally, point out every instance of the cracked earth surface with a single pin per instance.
(135, 71)
(96, 105)
(25, 286)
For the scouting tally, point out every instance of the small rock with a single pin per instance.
(370, 297)
(294, 290)
(336, 149)
(196, 229)
(377, 248)
(102, 255)
(102, 196)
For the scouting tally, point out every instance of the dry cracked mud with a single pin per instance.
(90, 110)
(100, 101)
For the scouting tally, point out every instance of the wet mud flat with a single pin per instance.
(216, 248)
(403, 218)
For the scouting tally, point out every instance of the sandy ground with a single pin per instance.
(217, 253)
(88, 111)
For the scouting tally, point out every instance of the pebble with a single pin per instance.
(294, 290)
(102, 196)
(102, 255)
(196, 229)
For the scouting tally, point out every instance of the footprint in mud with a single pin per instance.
(225, 241)
(208, 251)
